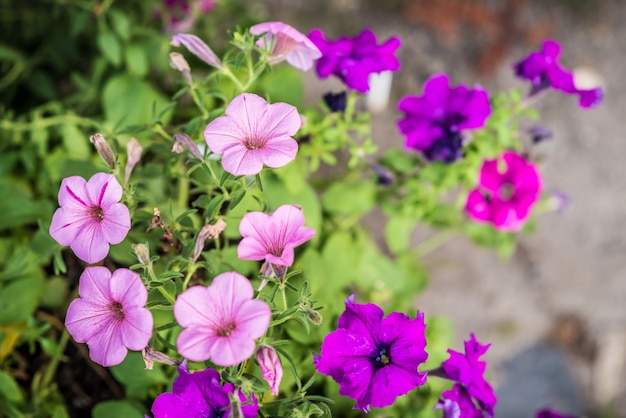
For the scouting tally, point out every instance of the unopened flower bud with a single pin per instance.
(207, 232)
(197, 47)
(103, 148)
(271, 369)
(179, 63)
(142, 253)
(150, 355)
(314, 316)
(133, 150)
(182, 141)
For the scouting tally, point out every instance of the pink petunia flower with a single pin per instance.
(254, 133)
(110, 315)
(508, 188)
(273, 237)
(90, 217)
(221, 321)
(287, 44)
(271, 369)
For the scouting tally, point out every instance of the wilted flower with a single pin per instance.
(254, 133)
(133, 150)
(273, 237)
(354, 59)
(182, 141)
(434, 122)
(142, 253)
(507, 189)
(110, 314)
(197, 47)
(271, 369)
(221, 321)
(207, 232)
(90, 217)
(104, 149)
(179, 63)
(287, 44)
(200, 394)
(543, 70)
(374, 359)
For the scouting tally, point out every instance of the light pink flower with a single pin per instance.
(221, 321)
(273, 237)
(110, 315)
(133, 150)
(254, 133)
(271, 369)
(90, 217)
(287, 44)
(197, 47)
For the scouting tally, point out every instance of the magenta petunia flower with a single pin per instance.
(549, 413)
(200, 394)
(221, 321)
(287, 44)
(273, 237)
(434, 122)
(254, 133)
(354, 59)
(90, 217)
(374, 359)
(543, 70)
(508, 188)
(467, 370)
(110, 314)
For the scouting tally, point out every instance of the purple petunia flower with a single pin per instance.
(336, 102)
(434, 122)
(549, 413)
(468, 372)
(354, 59)
(543, 70)
(221, 321)
(374, 359)
(254, 133)
(90, 217)
(287, 44)
(457, 403)
(110, 314)
(273, 237)
(200, 394)
(508, 188)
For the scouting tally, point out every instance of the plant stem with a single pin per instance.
(54, 363)
(435, 241)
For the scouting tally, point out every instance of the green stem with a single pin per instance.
(435, 241)
(192, 269)
(54, 363)
(196, 99)
(152, 278)
(226, 71)
(284, 295)
(159, 129)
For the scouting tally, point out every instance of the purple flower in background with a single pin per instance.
(90, 217)
(543, 70)
(287, 44)
(221, 321)
(254, 133)
(374, 359)
(508, 188)
(110, 314)
(273, 237)
(549, 413)
(336, 102)
(197, 47)
(200, 394)
(539, 134)
(434, 122)
(354, 59)
(183, 14)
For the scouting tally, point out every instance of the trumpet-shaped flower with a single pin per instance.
(354, 59)
(434, 122)
(508, 188)
(221, 321)
(200, 394)
(271, 369)
(197, 47)
(110, 314)
(374, 359)
(287, 44)
(543, 70)
(273, 237)
(254, 133)
(90, 217)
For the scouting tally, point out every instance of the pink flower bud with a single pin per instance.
(182, 141)
(207, 232)
(103, 149)
(197, 47)
(271, 369)
(133, 150)
(179, 63)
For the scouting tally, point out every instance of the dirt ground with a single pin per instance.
(555, 313)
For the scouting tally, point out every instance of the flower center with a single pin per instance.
(97, 214)
(117, 310)
(383, 357)
(226, 330)
(252, 143)
(506, 191)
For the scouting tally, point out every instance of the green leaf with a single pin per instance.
(283, 84)
(350, 199)
(19, 298)
(9, 389)
(110, 48)
(121, 23)
(136, 60)
(75, 142)
(398, 233)
(118, 409)
(136, 379)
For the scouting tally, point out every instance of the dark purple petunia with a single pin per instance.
(543, 70)
(336, 102)
(549, 413)
(354, 59)
(374, 359)
(434, 122)
(200, 394)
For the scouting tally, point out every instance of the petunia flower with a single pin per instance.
(221, 321)
(90, 217)
(508, 188)
(336, 102)
(271, 369)
(434, 122)
(254, 133)
(110, 314)
(374, 358)
(457, 403)
(273, 237)
(467, 370)
(354, 59)
(200, 394)
(543, 70)
(549, 413)
(287, 44)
